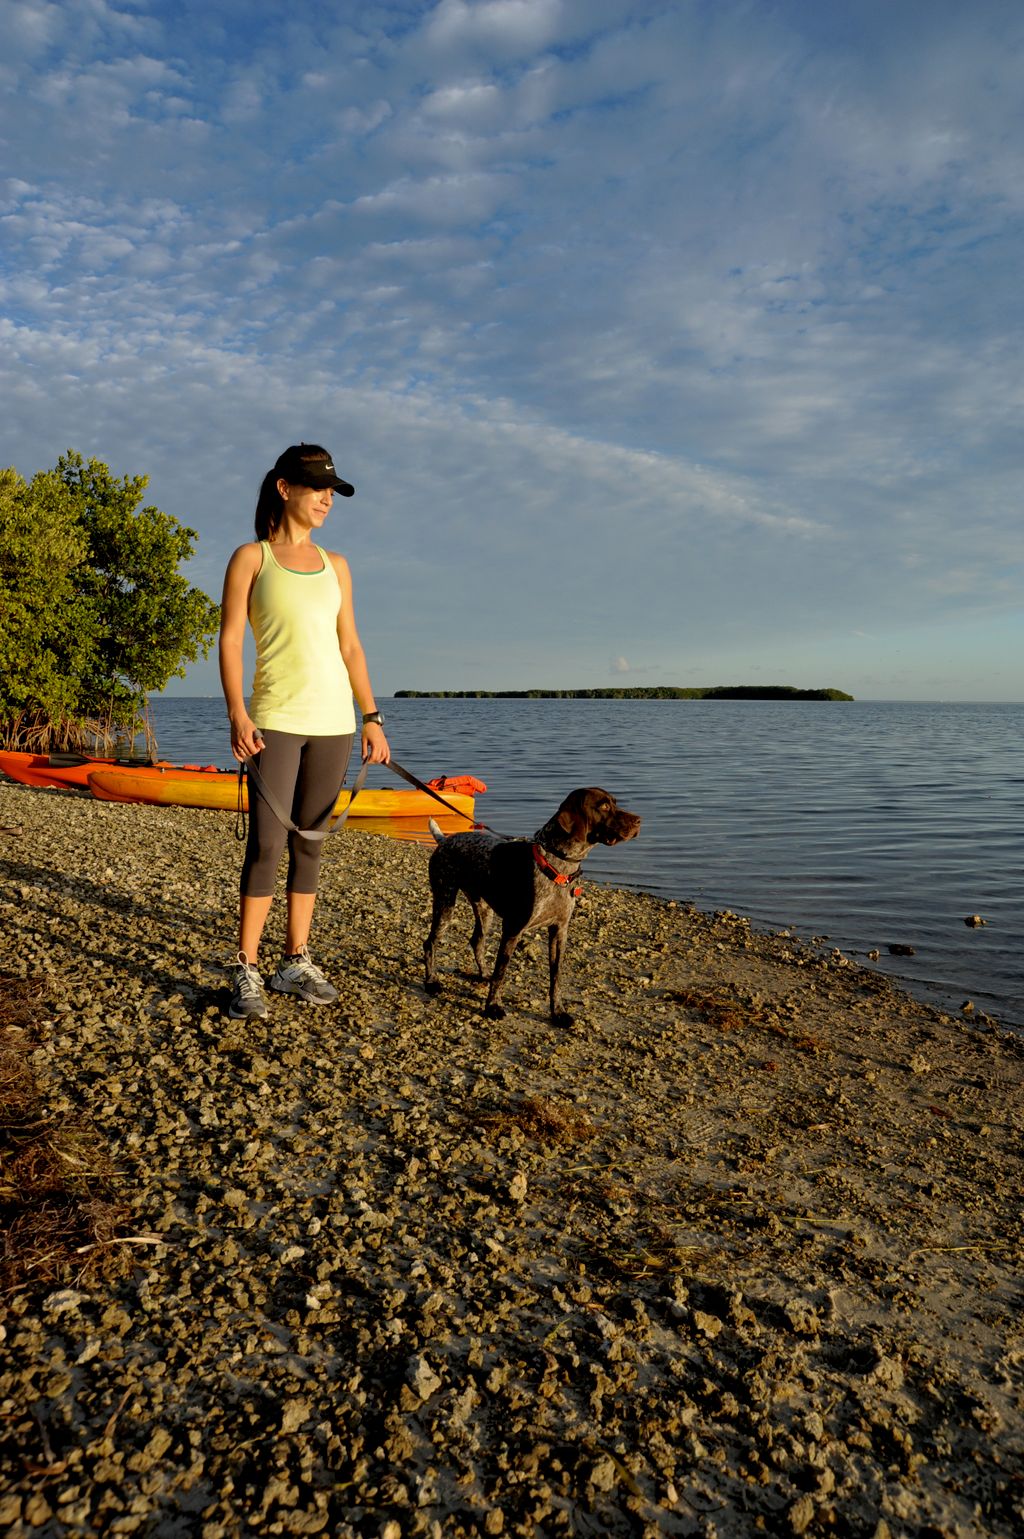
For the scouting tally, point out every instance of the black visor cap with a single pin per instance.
(315, 473)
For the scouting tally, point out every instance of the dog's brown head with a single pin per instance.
(592, 816)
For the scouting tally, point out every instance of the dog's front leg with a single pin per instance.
(556, 944)
(510, 938)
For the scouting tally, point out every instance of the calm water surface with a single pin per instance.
(869, 823)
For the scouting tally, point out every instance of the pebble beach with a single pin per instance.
(739, 1252)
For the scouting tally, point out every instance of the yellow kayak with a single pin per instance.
(218, 789)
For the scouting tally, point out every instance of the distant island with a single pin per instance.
(658, 692)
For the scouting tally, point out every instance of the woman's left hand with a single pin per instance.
(375, 745)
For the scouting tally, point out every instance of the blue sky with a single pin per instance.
(665, 343)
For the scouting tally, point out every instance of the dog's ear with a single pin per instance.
(571, 815)
(582, 809)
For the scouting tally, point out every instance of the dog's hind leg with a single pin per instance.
(483, 915)
(444, 907)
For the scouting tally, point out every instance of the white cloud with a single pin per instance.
(438, 200)
(512, 27)
(30, 24)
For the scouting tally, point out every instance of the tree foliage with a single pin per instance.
(94, 613)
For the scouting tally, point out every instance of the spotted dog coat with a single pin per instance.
(525, 882)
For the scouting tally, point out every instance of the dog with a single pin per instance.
(525, 882)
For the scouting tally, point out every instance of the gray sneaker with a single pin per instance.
(298, 975)
(247, 998)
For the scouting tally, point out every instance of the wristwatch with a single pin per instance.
(372, 718)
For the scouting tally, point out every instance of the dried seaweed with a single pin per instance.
(734, 1014)
(58, 1201)
(547, 1121)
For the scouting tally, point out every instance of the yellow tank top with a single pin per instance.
(301, 682)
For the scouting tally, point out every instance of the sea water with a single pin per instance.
(869, 824)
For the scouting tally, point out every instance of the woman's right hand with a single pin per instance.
(246, 738)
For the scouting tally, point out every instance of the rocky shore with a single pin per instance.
(740, 1252)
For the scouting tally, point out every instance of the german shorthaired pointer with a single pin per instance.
(525, 882)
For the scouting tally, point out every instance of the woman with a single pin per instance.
(300, 721)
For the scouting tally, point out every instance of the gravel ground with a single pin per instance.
(739, 1252)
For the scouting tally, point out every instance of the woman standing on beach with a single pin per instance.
(300, 721)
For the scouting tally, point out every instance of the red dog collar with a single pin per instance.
(554, 875)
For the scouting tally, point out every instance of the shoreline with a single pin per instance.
(741, 1248)
(708, 841)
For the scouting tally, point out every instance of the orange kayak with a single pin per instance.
(57, 769)
(176, 786)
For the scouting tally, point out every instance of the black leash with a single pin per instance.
(456, 811)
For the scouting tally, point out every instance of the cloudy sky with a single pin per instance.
(666, 341)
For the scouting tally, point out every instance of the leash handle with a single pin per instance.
(255, 779)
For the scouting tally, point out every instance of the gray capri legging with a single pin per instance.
(304, 774)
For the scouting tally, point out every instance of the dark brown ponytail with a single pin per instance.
(269, 507)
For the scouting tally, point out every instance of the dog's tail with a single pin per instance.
(438, 835)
